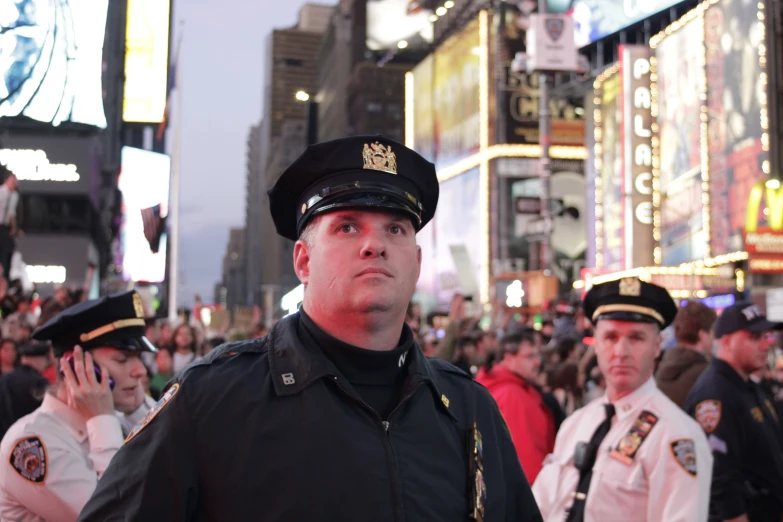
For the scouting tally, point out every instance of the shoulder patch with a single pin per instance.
(684, 452)
(708, 414)
(28, 458)
(164, 400)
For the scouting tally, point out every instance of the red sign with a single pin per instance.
(764, 241)
(766, 265)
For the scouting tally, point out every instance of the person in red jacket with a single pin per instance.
(510, 381)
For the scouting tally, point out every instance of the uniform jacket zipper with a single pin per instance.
(385, 424)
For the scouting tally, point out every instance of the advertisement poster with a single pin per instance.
(52, 60)
(423, 115)
(455, 227)
(680, 59)
(594, 19)
(391, 21)
(612, 174)
(144, 183)
(733, 34)
(456, 97)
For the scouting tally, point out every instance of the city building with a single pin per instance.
(233, 282)
(289, 82)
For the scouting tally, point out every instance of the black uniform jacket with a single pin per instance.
(269, 430)
(743, 432)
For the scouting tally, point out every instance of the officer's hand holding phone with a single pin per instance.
(86, 395)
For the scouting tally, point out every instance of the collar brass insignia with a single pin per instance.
(379, 157)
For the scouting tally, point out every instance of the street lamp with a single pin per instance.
(302, 96)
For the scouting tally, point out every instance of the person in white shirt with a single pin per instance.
(52, 459)
(631, 455)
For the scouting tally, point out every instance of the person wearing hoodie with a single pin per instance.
(511, 382)
(681, 366)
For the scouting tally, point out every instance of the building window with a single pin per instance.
(374, 107)
(395, 111)
(292, 62)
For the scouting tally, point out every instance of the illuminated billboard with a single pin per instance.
(144, 184)
(51, 60)
(681, 85)
(423, 109)
(736, 102)
(595, 19)
(146, 61)
(390, 22)
(456, 74)
(623, 161)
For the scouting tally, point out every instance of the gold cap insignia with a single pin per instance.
(630, 286)
(379, 157)
(138, 307)
(445, 400)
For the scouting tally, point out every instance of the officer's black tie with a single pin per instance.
(577, 511)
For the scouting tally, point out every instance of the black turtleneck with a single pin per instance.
(377, 376)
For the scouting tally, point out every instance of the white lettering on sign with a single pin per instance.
(644, 213)
(643, 183)
(34, 165)
(40, 274)
(641, 129)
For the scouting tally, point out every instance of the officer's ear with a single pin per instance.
(418, 260)
(302, 261)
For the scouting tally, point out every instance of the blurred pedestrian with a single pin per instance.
(165, 371)
(510, 377)
(681, 366)
(336, 414)
(51, 459)
(9, 199)
(632, 454)
(22, 390)
(8, 356)
(185, 346)
(741, 424)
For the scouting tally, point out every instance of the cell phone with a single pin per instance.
(98, 373)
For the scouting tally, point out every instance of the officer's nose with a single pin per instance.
(137, 368)
(622, 348)
(374, 246)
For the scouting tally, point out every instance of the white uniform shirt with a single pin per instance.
(128, 421)
(63, 476)
(656, 486)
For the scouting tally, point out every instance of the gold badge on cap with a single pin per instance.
(630, 286)
(379, 157)
(138, 307)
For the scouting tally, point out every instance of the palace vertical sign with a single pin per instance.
(637, 155)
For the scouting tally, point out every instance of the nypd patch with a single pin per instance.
(708, 414)
(165, 399)
(684, 451)
(28, 458)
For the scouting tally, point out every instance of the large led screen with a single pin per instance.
(144, 184)
(735, 97)
(146, 60)
(51, 60)
(680, 63)
(595, 19)
(612, 174)
(391, 21)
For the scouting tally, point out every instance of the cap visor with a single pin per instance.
(764, 326)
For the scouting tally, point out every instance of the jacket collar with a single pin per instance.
(294, 365)
(725, 369)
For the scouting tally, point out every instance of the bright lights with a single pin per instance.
(410, 96)
(773, 184)
(433, 18)
(302, 96)
(290, 301)
(514, 294)
(40, 274)
(402, 44)
(440, 11)
(448, 4)
(484, 178)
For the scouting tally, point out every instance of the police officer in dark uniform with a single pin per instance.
(336, 414)
(741, 425)
(22, 390)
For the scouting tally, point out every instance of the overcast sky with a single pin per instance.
(222, 60)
